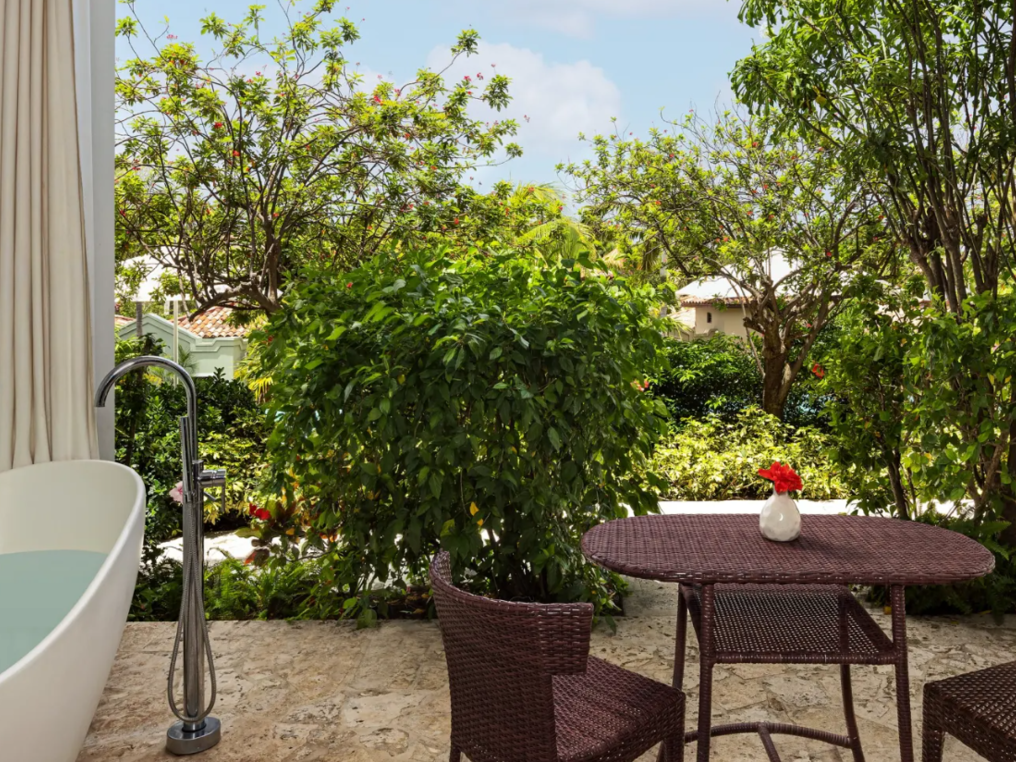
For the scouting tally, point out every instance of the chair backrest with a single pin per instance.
(501, 659)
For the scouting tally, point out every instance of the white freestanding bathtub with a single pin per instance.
(70, 546)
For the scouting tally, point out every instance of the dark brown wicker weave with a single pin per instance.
(756, 601)
(524, 688)
(978, 708)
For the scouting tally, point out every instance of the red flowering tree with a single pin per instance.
(778, 221)
(233, 170)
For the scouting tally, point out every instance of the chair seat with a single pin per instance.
(609, 713)
(790, 624)
(978, 708)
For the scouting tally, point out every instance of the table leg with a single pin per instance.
(846, 687)
(706, 656)
(682, 636)
(897, 597)
(679, 653)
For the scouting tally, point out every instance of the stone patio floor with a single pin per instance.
(325, 691)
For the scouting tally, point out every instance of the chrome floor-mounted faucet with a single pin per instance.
(196, 731)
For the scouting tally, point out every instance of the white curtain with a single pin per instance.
(46, 380)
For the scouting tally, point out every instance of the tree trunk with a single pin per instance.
(775, 388)
(893, 462)
(1008, 536)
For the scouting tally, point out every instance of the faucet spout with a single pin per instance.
(134, 363)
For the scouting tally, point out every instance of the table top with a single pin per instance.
(860, 550)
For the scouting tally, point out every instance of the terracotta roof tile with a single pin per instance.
(212, 324)
(708, 301)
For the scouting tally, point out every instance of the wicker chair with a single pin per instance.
(978, 708)
(524, 688)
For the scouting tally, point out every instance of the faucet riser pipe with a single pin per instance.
(196, 731)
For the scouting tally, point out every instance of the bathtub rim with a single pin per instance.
(112, 556)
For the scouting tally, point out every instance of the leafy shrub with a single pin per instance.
(233, 590)
(159, 589)
(492, 405)
(232, 433)
(718, 459)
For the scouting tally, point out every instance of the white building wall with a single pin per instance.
(201, 356)
(728, 319)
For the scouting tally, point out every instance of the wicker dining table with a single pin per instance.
(752, 600)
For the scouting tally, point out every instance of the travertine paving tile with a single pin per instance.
(324, 691)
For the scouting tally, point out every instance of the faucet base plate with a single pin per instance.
(183, 742)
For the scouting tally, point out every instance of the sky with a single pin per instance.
(574, 64)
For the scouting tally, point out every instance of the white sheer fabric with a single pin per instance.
(46, 380)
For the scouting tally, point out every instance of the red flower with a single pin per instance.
(258, 513)
(349, 285)
(218, 125)
(818, 370)
(783, 477)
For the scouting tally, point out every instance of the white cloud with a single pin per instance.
(577, 18)
(560, 99)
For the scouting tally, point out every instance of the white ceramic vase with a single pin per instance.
(780, 519)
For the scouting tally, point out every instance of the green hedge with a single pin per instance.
(718, 459)
(709, 375)
(717, 375)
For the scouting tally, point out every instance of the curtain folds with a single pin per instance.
(46, 379)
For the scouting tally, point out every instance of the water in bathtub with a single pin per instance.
(37, 590)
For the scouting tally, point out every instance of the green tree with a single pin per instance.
(526, 216)
(233, 171)
(728, 200)
(554, 234)
(918, 101)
